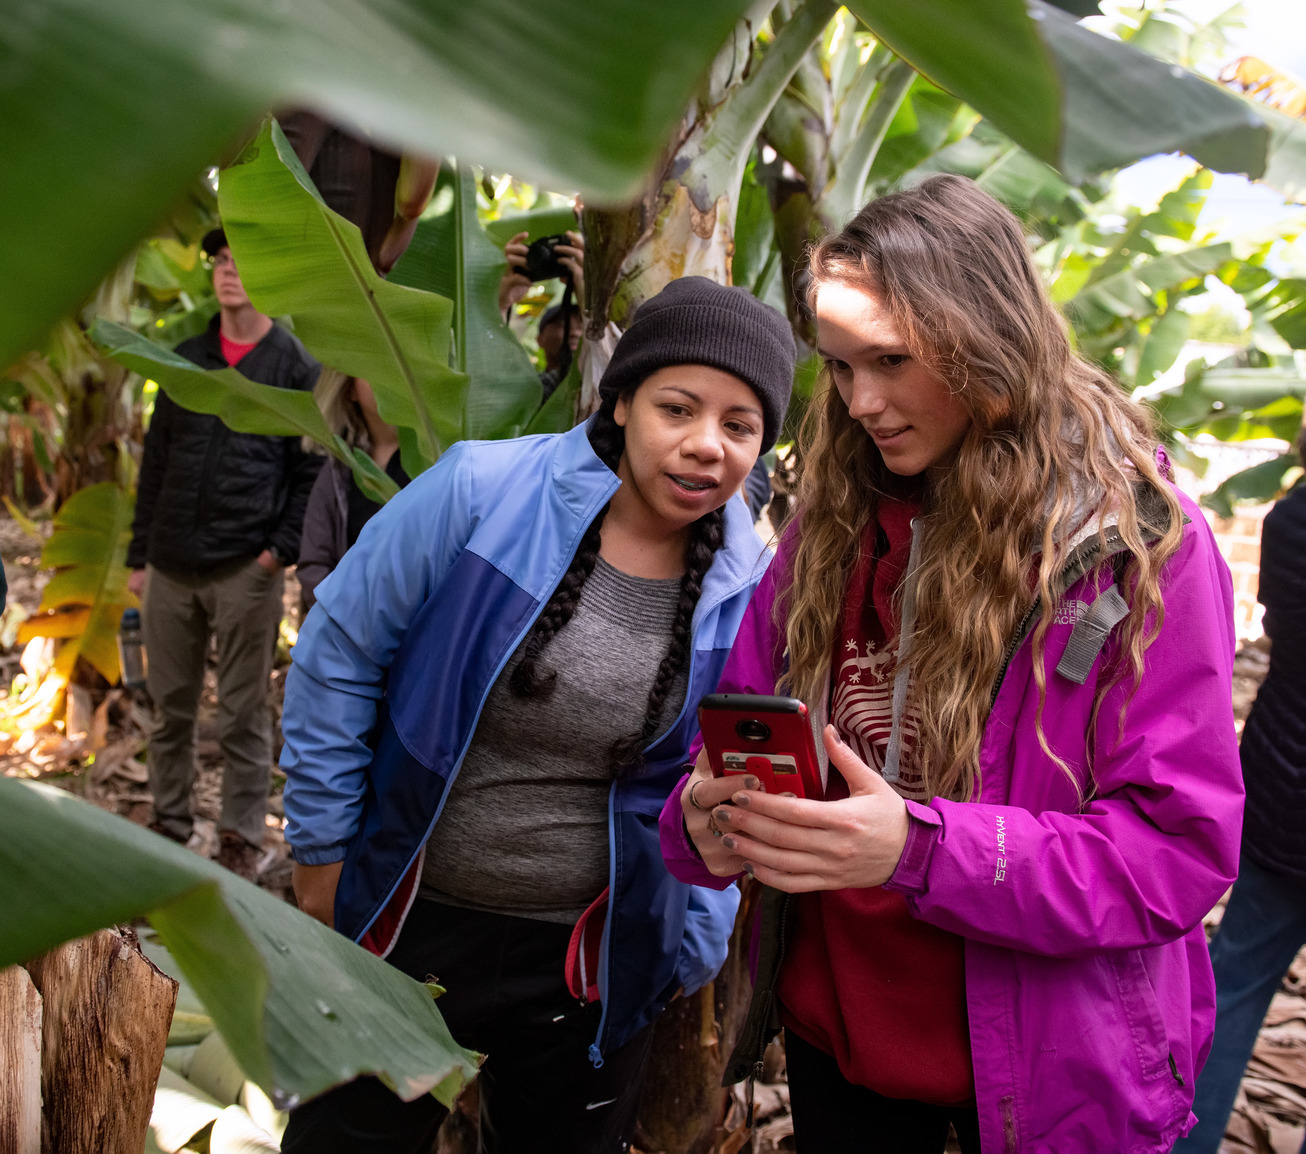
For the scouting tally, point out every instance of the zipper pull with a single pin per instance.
(596, 1056)
(752, 1079)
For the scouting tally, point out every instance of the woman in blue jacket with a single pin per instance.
(489, 706)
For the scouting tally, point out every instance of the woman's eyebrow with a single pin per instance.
(756, 410)
(869, 350)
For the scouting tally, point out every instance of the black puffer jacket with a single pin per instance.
(208, 495)
(1274, 741)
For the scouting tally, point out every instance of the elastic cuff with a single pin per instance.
(689, 841)
(318, 855)
(924, 826)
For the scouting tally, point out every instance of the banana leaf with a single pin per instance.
(243, 405)
(452, 254)
(84, 600)
(147, 95)
(297, 257)
(301, 1008)
(1260, 483)
(1079, 101)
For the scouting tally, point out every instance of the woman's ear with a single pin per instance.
(621, 412)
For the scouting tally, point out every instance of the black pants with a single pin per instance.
(834, 1116)
(507, 998)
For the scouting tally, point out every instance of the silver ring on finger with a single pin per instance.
(693, 801)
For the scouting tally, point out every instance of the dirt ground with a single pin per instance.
(1270, 1116)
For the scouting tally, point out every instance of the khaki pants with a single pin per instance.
(241, 605)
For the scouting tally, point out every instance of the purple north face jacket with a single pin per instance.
(1088, 984)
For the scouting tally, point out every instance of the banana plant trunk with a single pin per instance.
(684, 225)
(684, 1105)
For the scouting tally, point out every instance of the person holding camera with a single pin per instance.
(488, 706)
(560, 328)
(1021, 635)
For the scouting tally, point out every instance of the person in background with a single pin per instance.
(559, 333)
(337, 508)
(1264, 923)
(218, 516)
(559, 341)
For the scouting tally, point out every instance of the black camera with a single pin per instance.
(542, 262)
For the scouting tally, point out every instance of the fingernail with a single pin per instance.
(740, 799)
(751, 782)
(788, 795)
(722, 813)
(728, 842)
(748, 868)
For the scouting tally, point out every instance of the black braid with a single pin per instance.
(530, 678)
(709, 531)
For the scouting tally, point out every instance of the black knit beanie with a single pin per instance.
(695, 321)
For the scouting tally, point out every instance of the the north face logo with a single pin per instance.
(1069, 613)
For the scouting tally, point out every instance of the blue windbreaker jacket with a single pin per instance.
(394, 664)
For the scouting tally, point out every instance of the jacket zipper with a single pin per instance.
(595, 1050)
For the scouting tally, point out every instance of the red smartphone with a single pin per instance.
(769, 737)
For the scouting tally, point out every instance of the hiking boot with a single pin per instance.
(237, 855)
(159, 828)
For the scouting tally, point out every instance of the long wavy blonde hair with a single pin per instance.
(1052, 440)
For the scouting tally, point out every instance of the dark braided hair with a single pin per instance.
(531, 678)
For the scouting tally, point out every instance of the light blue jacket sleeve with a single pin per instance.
(345, 649)
(709, 920)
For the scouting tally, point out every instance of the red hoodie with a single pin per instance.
(863, 980)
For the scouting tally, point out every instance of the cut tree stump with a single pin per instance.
(105, 1025)
(20, 1063)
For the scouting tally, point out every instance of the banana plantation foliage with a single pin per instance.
(709, 139)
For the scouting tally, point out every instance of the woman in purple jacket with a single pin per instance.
(1020, 635)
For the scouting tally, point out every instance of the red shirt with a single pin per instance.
(863, 980)
(231, 351)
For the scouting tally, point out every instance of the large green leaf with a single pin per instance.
(989, 55)
(1286, 305)
(1285, 172)
(926, 121)
(296, 256)
(110, 108)
(85, 598)
(1260, 483)
(1079, 101)
(243, 405)
(1162, 346)
(1120, 105)
(452, 254)
(1128, 293)
(301, 1007)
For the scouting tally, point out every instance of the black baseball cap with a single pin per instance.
(215, 240)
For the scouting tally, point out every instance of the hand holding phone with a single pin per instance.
(768, 737)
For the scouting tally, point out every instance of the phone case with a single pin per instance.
(769, 737)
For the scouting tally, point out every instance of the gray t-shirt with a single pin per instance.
(525, 828)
